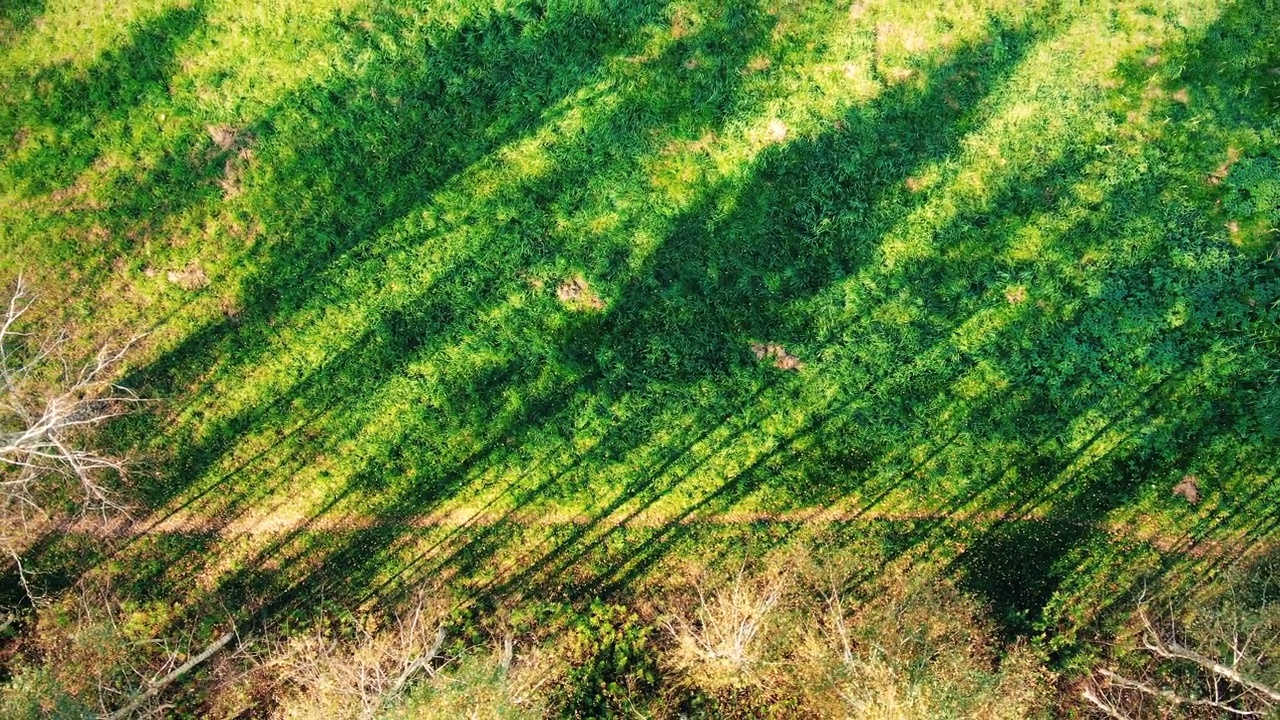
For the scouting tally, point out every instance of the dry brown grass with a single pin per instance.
(720, 642)
(323, 674)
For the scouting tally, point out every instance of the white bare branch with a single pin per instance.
(47, 403)
(1171, 649)
(1170, 696)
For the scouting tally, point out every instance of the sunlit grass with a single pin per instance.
(510, 261)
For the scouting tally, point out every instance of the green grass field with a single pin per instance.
(552, 298)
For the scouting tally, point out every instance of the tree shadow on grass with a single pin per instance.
(392, 137)
(1061, 417)
(99, 171)
(69, 105)
(638, 349)
(381, 352)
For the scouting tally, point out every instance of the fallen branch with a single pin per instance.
(1171, 649)
(1103, 705)
(155, 687)
(1170, 696)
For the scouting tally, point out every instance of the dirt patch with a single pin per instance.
(75, 198)
(1016, 294)
(231, 308)
(1151, 61)
(915, 184)
(233, 170)
(1189, 488)
(759, 63)
(782, 359)
(576, 294)
(235, 145)
(192, 277)
(1217, 176)
(224, 136)
(1181, 96)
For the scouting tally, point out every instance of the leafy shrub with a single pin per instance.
(611, 661)
(1254, 185)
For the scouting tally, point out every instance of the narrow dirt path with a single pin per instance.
(280, 523)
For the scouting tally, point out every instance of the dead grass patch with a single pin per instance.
(576, 294)
(681, 24)
(192, 277)
(782, 359)
(777, 130)
(1217, 176)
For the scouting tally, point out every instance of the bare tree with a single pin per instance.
(47, 404)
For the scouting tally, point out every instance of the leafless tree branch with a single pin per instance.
(46, 405)
(1091, 694)
(1170, 696)
(157, 685)
(1171, 649)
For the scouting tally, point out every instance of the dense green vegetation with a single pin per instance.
(577, 300)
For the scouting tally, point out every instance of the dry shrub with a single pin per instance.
(721, 642)
(916, 646)
(505, 683)
(88, 654)
(356, 672)
(907, 645)
(399, 669)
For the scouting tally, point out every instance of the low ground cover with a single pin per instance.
(558, 300)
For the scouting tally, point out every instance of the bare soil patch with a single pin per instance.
(576, 294)
(1217, 176)
(192, 277)
(224, 136)
(1189, 488)
(782, 359)
(235, 144)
